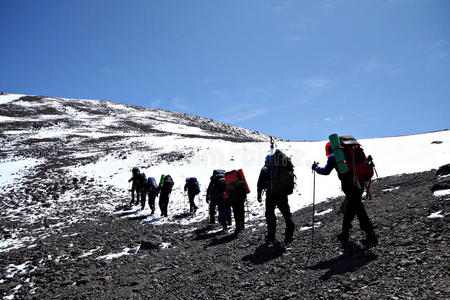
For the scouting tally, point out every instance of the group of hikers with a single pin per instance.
(227, 191)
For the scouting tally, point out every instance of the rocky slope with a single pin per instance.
(187, 262)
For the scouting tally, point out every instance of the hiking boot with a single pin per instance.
(288, 239)
(370, 241)
(269, 240)
(343, 237)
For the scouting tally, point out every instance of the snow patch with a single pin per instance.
(9, 97)
(440, 193)
(12, 170)
(165, 245)
(316, 224)
(90, 252)
(391, 189)
(126, 251)
(181, 129)
(323, 212)
(436, 215)
(14, 291)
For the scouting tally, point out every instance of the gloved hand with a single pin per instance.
(314, 166)
(259, 198)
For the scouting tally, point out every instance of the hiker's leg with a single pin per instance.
(285, 210)
(350, 203)
(222, 213)
(191, 202)
(212, 211)
(271, 219)
(143, 194)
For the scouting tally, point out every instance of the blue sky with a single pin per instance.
(299, 70)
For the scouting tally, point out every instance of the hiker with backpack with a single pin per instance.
(192, 188)
(278, 180)
(355, 172)
(215, 197)
(142, 188)
(164, 189)
(236, 195)
(136, 187)
(152, 188)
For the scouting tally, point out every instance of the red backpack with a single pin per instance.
(361, 167)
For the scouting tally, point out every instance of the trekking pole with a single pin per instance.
(272, 145)
(313, 215)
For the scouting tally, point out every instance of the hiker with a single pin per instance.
(192, 188)
(135, 188)
(141, 188)
(353, 189)
(215, 197)
(236, 195)
(277, 179)
(164, 190)
(152, 188)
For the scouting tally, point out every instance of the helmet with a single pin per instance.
(328, 149)
(135, 170)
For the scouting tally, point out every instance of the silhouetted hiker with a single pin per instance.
(193, 189)
(152, 188)
(141, 188)
(236, 195)
(278, 179)
(135, 187)
(353, 188)
(164, 190)
(215, 197)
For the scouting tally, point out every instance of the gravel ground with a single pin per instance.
(411, 260)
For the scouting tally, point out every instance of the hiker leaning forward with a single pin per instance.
(353, 205)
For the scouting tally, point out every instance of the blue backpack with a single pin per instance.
(151, 181)
(193, 183)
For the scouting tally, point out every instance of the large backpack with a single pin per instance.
(359, 165)
(193, 185)
(218, 184)
(151, 182)
(141, 179)
(236, 184)
(281, 173)
(168, 183)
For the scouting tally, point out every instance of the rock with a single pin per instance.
(443, 170)
(441, 184)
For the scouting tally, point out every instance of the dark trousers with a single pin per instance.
(163, 203)
(142, 194)
(224, 212)
(353, 206)
(151, 201)
(192, 206)
(238, 206)
(280, 201)
(212, 211)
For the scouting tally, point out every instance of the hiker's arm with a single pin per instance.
(331, 164)
(262, 182)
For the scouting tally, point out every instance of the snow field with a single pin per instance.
(216, 154)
